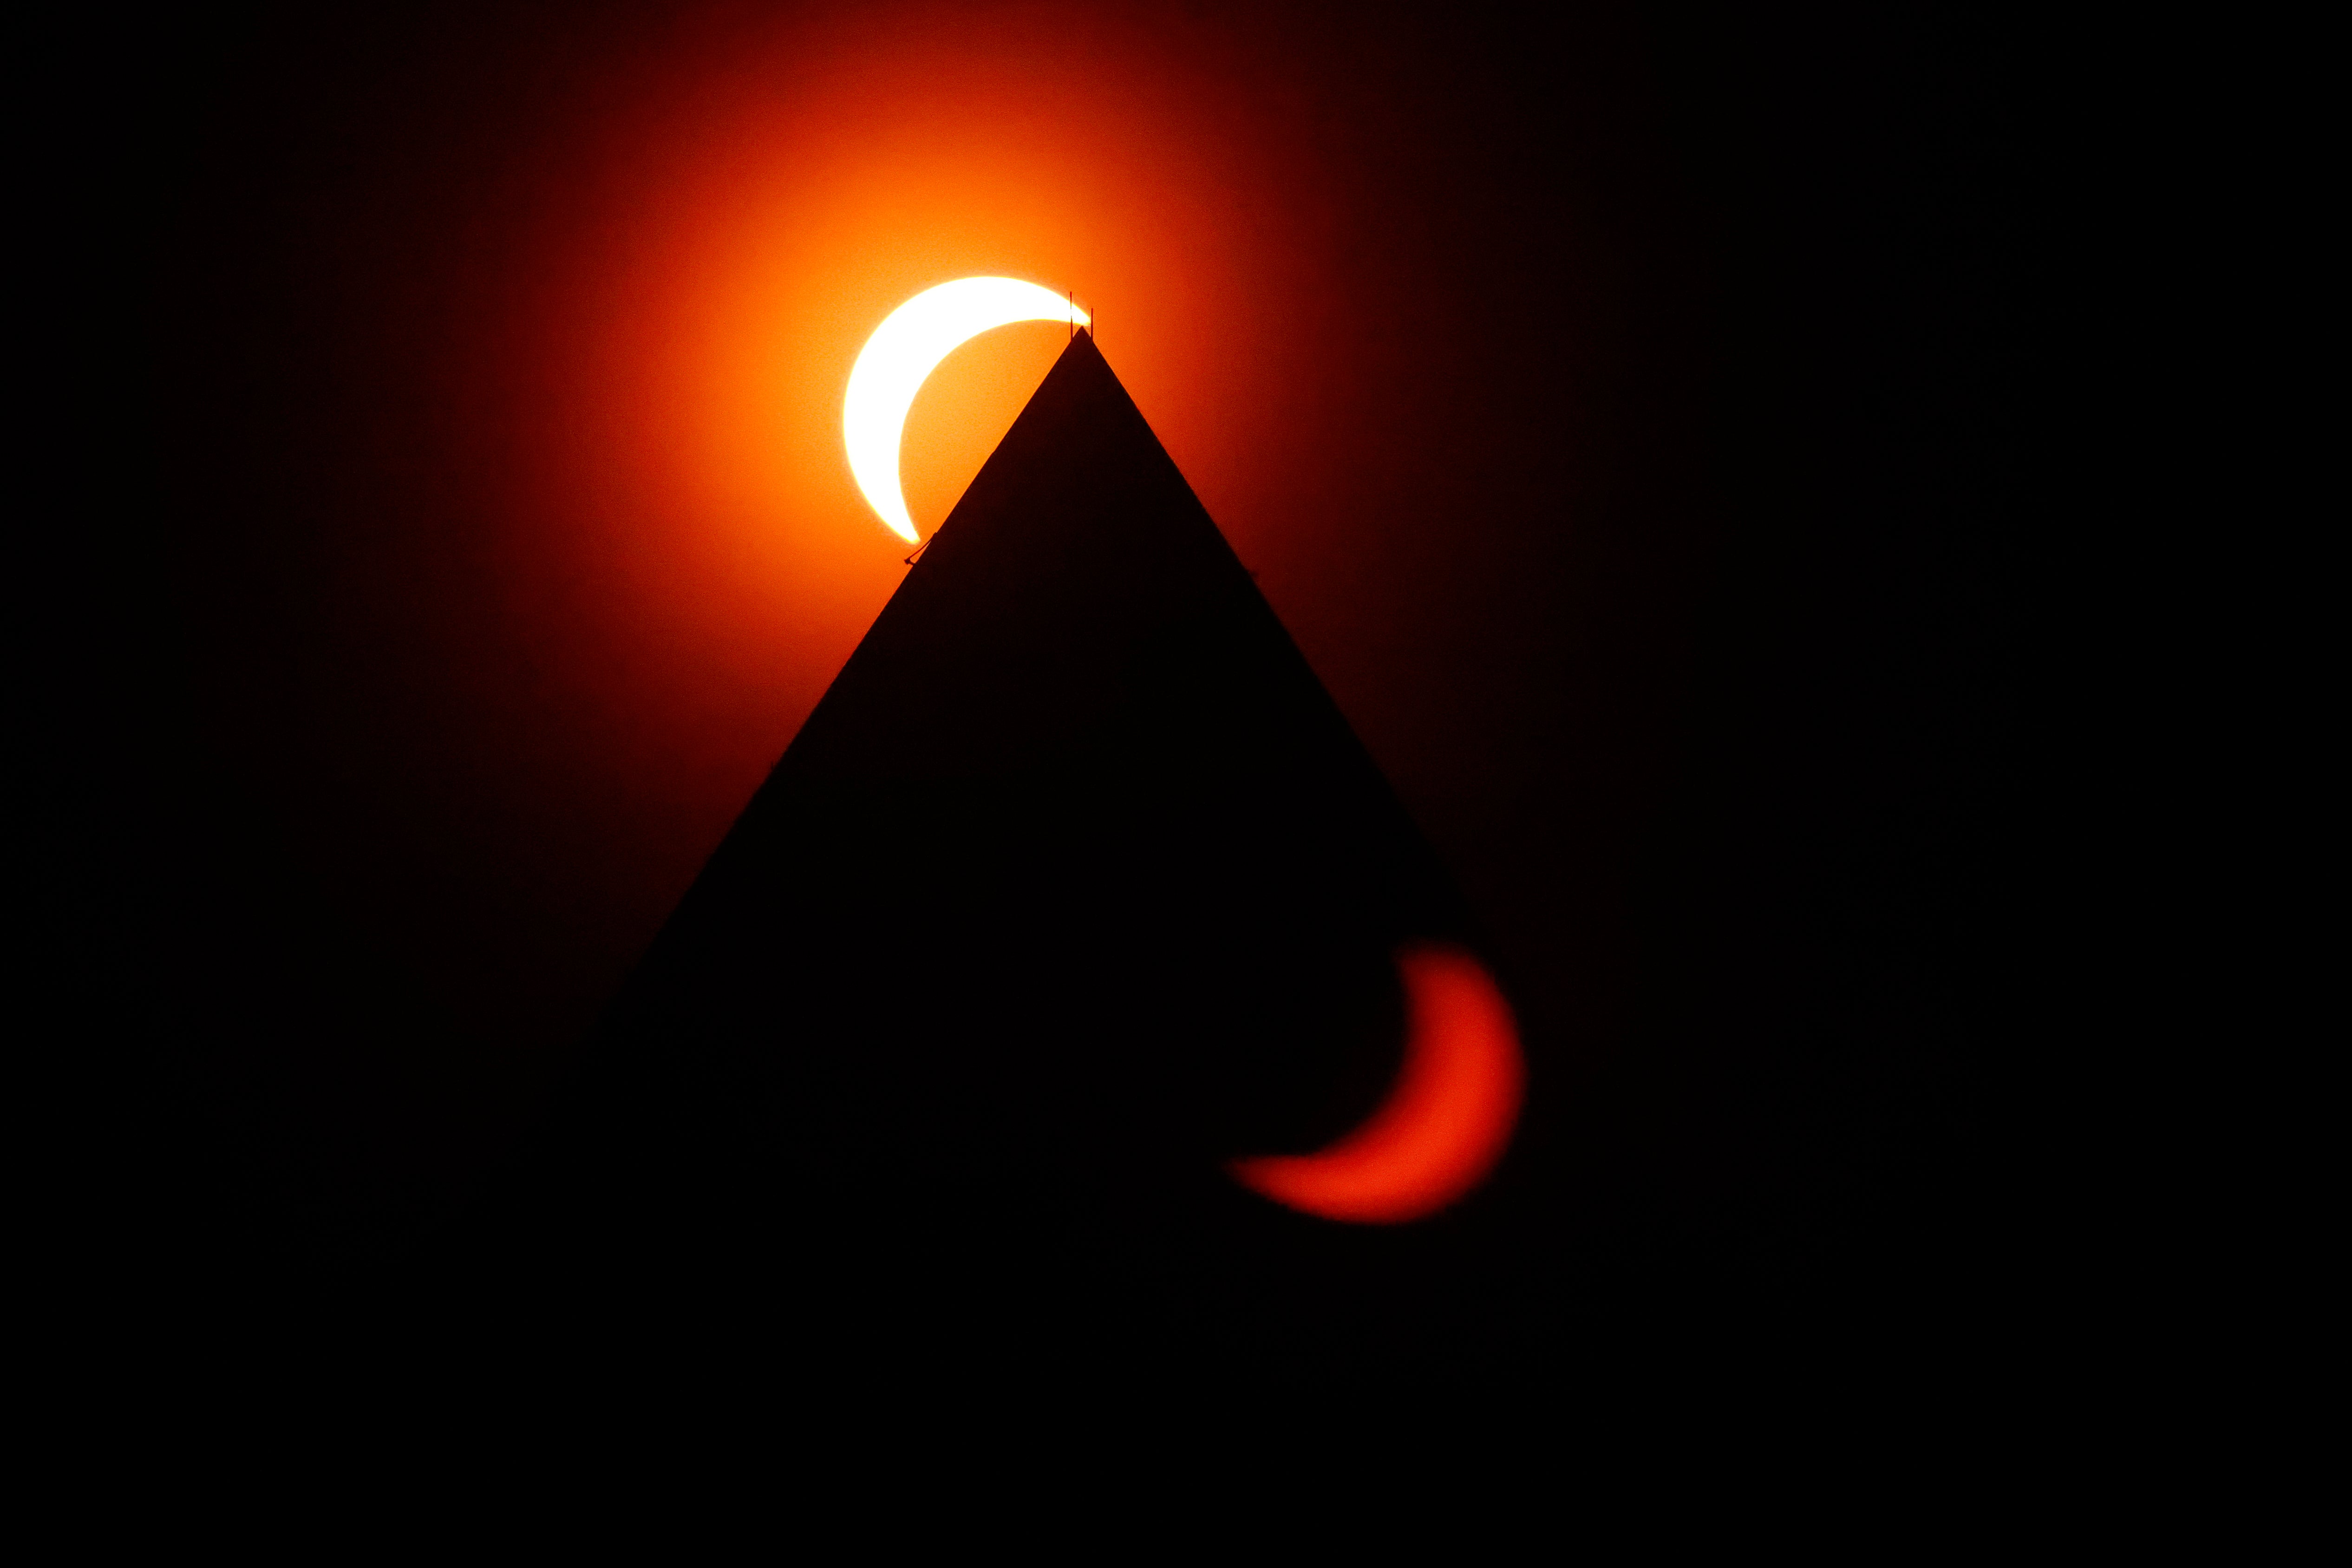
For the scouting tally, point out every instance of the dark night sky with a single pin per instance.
(1616, 403)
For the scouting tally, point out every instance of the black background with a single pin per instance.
(1749, 846)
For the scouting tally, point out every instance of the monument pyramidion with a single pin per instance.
(1076, 887)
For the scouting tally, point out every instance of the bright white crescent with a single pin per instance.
(902, 353)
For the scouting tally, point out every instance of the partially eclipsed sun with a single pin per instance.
(902, 353)
(1445, 1124)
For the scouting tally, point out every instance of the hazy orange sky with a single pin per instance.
(558, 324)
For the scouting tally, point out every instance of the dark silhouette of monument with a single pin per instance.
(1075, 885)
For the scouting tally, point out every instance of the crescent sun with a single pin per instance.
(1444, 1125)
(901, 356)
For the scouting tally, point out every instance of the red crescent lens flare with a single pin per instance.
(1445, 1124)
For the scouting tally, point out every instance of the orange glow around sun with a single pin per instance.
(625, 342)
(1445, 1124)
(727, 242)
